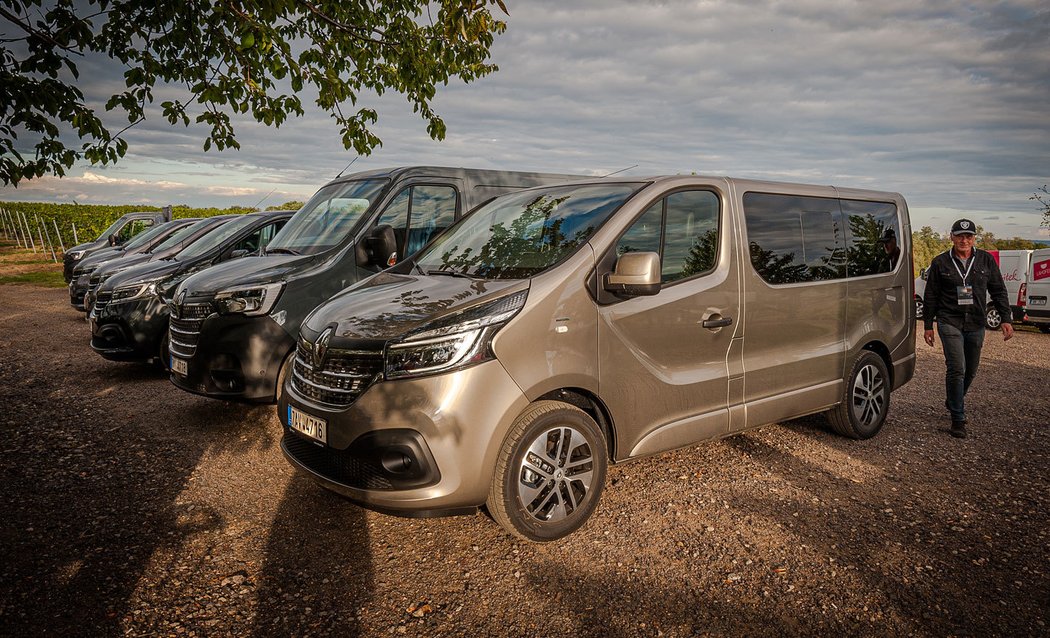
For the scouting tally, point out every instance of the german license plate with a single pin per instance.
(311, 426)
(180, 366)
(1037, 301)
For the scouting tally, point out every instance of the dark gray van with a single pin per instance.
(123, 229)
(560, 328)
(237, 322)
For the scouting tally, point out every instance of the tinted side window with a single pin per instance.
(874, 237)
(433, 210)
(794, 239)
(396, 215)
(132, 228)
(690, 235)
(682, 228)
(644, 235)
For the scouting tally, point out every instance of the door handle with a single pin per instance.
(717, 323)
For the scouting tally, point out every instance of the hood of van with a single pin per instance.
(390, 305)
(243, 272)
(142, 273)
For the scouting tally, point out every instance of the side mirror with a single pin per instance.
(380, 248)
(114, 239)
(240, 252)
(635, 275)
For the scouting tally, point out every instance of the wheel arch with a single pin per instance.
(593, 406)
(880, 349)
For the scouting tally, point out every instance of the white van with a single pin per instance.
(1039, 290)
(1015, 266)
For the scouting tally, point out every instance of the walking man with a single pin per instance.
(957, 284)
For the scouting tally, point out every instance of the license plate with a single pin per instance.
(1037, 301)
(311, 426)
(180, 366)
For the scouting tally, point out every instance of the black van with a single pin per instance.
(237, 323)
(117, 233)
(142, 244)
(129, 318)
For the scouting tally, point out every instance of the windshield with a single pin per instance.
(327, 218)
(180, 235)
(523, 234)
(218, 236)
(145, 237)
(114, 227)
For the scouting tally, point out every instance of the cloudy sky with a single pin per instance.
(945, 101)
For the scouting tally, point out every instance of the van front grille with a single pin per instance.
(102, 300)
(184, 331)
(342, 377)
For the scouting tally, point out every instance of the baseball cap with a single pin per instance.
(887, 236)
(964, 227)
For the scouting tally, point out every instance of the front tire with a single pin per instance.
(550, 472)
(866, 401)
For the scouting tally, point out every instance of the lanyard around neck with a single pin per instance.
(973, 253)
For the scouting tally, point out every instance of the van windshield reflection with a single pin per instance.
(328, 218)
(521, 235)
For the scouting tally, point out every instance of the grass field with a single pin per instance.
(21, 266)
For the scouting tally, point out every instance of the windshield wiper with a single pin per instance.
(450, 273)
(287, 251)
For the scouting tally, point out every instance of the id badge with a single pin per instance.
(965, 294)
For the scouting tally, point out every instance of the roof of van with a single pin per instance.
(441, 171)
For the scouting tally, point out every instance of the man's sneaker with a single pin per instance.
(958, 429)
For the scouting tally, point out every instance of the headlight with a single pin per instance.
(126, 293)
(452, 342)
(251, 301)
(77, 254)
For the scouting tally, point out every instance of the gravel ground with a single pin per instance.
(132, 508)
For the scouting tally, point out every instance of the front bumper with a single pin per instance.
(232, 357)
(77, 290)
(461, 419)
(129, 330)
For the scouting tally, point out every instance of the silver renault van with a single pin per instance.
(562, 328)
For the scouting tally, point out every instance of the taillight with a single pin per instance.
(1022, 294)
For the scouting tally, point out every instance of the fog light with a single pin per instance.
(396, 461)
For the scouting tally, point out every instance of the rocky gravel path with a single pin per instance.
(132, 508)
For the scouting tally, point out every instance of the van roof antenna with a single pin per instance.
(619, 171)
(346, 167)
(264, 198)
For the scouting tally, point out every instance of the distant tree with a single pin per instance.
(230, 58)
(292, 205)
(925, 245)
(1042, 196)
(1016, 244)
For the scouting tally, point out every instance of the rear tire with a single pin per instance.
(1045, 329)
(866, 400)
(992, 319)
(550, 472)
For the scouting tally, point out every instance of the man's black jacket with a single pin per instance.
(941, 300)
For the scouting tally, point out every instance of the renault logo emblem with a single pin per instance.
(178, 304)
(321, 347)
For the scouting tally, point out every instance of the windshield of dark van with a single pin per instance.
(114, 227)
(215, 238)
(145, 237)
(329, 216)
(520, 235)
(180, 235)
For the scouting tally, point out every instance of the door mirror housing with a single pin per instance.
(240, 252)
(114, 240)
(380, 248)
(635, 275)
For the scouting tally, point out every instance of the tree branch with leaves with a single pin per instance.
(232, 58)
(1042, 196)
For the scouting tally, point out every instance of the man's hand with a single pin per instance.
(1008, 331)
(928, 336)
